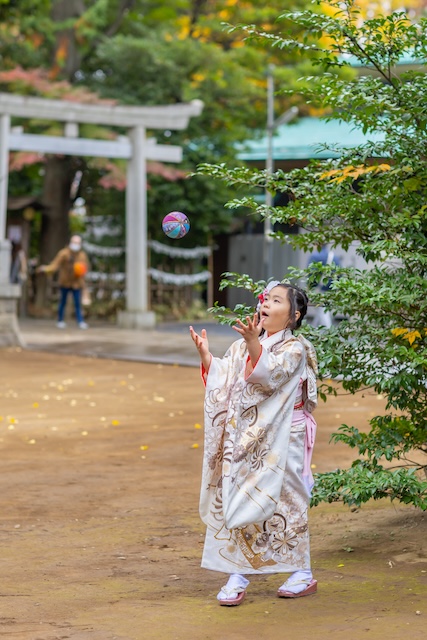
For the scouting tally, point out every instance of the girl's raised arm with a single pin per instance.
(202, 346)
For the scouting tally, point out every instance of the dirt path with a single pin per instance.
(100, 537)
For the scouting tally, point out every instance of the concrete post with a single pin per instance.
(268, 240)
(137, 315)
(9, 294)
(4, 179)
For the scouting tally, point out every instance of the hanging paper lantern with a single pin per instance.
(176, 225)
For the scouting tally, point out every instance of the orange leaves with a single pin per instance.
(411, 335)
(21, 79)
(353, 172)
(36, 39)
(197, 79)
(61, 55)
(184, 27)
(38, 80)
(166, 171)
(21, 159)
(114, 175)
(115, 178)
(62, 50)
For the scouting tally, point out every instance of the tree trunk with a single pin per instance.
(56, 206)
(59, 169)
(55, 216)
(66, 55)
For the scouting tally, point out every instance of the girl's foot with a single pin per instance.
(233, 593)
(299, 584)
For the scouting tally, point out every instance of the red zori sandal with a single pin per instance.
(308, 591)
(235, 596)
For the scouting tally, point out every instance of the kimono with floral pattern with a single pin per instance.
(253, 498)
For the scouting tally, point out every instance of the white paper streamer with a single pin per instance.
(102, 230)
(97, 276)
(172, 252)
(97, 250)
(103, 225)
(175, 252)
(179, 279)
(97, 219)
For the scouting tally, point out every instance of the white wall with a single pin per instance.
(245, 255)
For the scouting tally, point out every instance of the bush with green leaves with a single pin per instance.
(373, 197)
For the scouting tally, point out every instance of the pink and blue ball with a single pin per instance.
(176, 225)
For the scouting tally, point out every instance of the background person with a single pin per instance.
(321, 316)
(72, 264)
(259, 436)
(19, 273)
(18, 264)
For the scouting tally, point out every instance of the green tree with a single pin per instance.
(374, 196)
(41, 49)
(139, 52)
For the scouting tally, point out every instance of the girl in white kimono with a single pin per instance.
(259, 434)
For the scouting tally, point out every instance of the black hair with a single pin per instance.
(298, 300)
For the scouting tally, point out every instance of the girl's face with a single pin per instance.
(276, 310)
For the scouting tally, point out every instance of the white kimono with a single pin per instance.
(254, 499)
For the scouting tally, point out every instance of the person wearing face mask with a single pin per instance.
(71, 263)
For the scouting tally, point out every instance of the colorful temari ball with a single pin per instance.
(176, 225)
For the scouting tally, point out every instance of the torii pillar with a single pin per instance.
(9, 293)
(137, 314)
(136, 149)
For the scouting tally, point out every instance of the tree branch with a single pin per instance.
(112, 29)
(125, 5)
(198, 6)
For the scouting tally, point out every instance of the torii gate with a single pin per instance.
(136, 148)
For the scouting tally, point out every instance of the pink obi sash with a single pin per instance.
(310, 436)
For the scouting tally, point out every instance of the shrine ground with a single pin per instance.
(100, 537)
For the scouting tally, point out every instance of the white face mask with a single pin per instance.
(75, 246)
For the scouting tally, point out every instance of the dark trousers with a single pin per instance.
(77, 294)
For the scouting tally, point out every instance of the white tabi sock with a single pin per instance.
(297, 582)
(235, 581)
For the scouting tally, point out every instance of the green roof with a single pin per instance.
(407, 59)
(302, 139)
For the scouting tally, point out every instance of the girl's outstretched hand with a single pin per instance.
(251, 330)
(250, 333)
(201, 341)
(202, 345)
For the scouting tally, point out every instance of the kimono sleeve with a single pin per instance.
(273, 370)
(220, 369)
